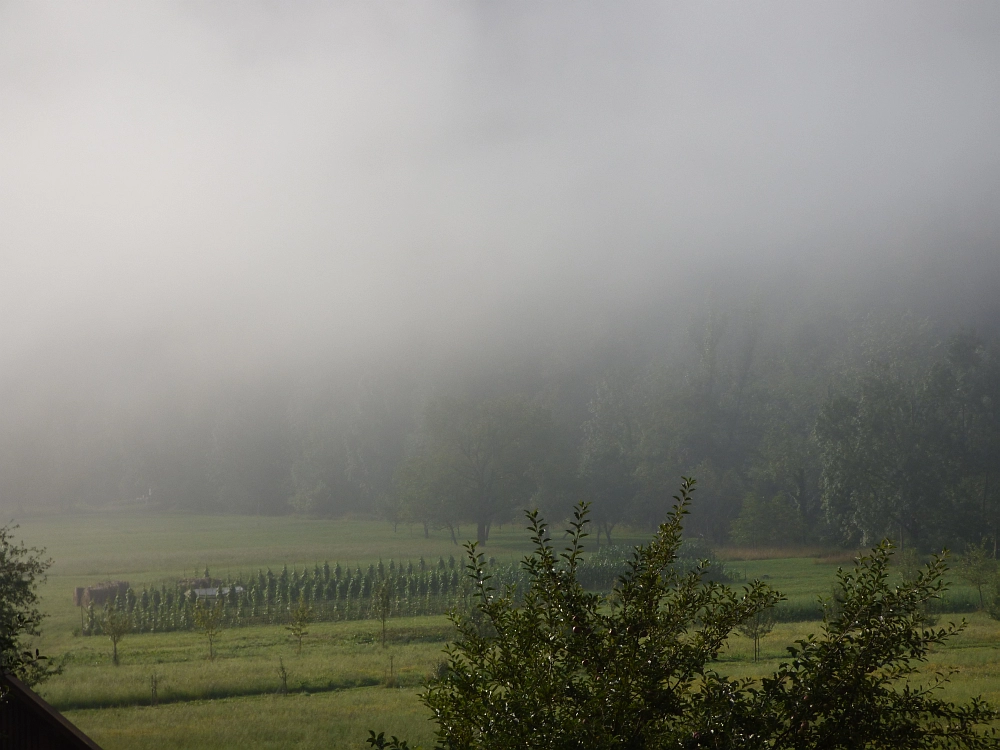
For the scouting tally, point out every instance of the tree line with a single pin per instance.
(896, 435)
(330, 594)
(821, 430)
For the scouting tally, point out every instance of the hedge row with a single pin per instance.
(342, 593)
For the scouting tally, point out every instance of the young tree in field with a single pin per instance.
(563, 670)
(978, 567)
(301, 617)
(208, 619)
(21, 570)
(755, 627)
(382, 601)
(907, 564)
(116, 624)
(283, 676)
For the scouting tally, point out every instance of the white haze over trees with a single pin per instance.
(244, 244)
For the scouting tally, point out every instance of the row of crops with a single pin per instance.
(338, 593)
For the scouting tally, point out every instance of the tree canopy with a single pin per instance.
(479, 460)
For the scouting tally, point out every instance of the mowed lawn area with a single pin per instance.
(337, 687)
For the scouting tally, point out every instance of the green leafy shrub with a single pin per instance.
(21, 570)
(568, 668)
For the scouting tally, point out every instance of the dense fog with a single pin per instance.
(267, 258)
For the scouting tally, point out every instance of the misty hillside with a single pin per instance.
(442, 264)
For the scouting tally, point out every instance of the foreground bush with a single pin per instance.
(21, 570)
(571, 669)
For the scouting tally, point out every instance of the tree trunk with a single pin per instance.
(482, 532)
(427, 532)
(452, 530)
(986, 514)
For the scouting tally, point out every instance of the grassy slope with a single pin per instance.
(973, 656)
(310, 722)
(334, 656)
(149, 549)
(335, 698)
(341, 718)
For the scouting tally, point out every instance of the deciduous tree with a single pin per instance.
(978, 567)
(116, 624)
(208, 619)
(755, 627)
(609, 455)
(22, 569)
(485, 453)
(301, 616)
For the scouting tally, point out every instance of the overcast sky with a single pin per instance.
(266, 178)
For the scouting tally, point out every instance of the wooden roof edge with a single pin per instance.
(43, 707)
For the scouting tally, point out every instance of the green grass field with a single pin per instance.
(336, 686)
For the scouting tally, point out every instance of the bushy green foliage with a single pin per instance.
(21, 570)
(600, 570)
(978, 567)
(849, 687)
(569, 669)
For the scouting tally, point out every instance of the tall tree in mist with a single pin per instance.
(887, 462)
(428, 492)
(383, 418)
(968, 384)
(486, 453)
(698, 419)
(250, 463)
(608, 456)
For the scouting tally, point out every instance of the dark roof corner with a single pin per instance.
(27, 722)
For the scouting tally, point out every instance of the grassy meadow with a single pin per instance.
(344, 681)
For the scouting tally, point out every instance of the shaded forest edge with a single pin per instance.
(837, 431)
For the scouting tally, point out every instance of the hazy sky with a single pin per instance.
(257, 179)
